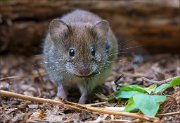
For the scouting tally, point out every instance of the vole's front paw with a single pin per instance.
(61, 93)
(82, 99)
(57, 99)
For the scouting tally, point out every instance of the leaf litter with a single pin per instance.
(27, 76)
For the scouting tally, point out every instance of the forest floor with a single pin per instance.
(26, 75)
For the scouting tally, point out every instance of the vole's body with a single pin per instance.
(78, 52)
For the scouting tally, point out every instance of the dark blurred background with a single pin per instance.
(154, 24)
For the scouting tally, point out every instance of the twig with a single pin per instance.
(94, 104)
(112, 121)
(10, 77)
(122, 121)
(134, 75)
(168, 114)
(135, 115)
(19, 107)
(117, 81)
(160, 82)
(16, 77)
(76, 106)
(36, 99)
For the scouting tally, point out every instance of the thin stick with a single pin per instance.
(19, 107)
(21, 77)
(119, 121)
(137, 75)
(94, 104)
(33, 99)
(160, 82)
(135, 115)
(113, 121)
(10, 77)
(168, 114)
(76, 106)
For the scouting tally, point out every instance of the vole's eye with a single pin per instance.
(71, 52)
(93, 51)
(107, 45)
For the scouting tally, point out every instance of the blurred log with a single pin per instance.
(155, 25)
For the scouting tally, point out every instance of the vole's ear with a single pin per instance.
(58, 29)
(101, 28)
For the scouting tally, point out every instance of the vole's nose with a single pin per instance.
(83, 69)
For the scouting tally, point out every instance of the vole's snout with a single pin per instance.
(83, 69)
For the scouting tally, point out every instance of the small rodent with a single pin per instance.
(79, 50)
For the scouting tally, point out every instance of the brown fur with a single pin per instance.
(82, 31)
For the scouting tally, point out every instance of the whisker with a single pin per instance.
(128, 48)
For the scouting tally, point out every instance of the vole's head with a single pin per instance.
(83, 47)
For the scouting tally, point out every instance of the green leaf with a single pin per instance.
(162, 87)
(158, 98)
(125, 94)
(165, 86)
(175, 82)
(131, 106)
(148, 104)
(133, 88)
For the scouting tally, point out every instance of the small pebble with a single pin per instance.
(33, 106)
(4, 86)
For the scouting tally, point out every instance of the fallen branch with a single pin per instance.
(160, 82)
(76, 106)
(169, 114)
